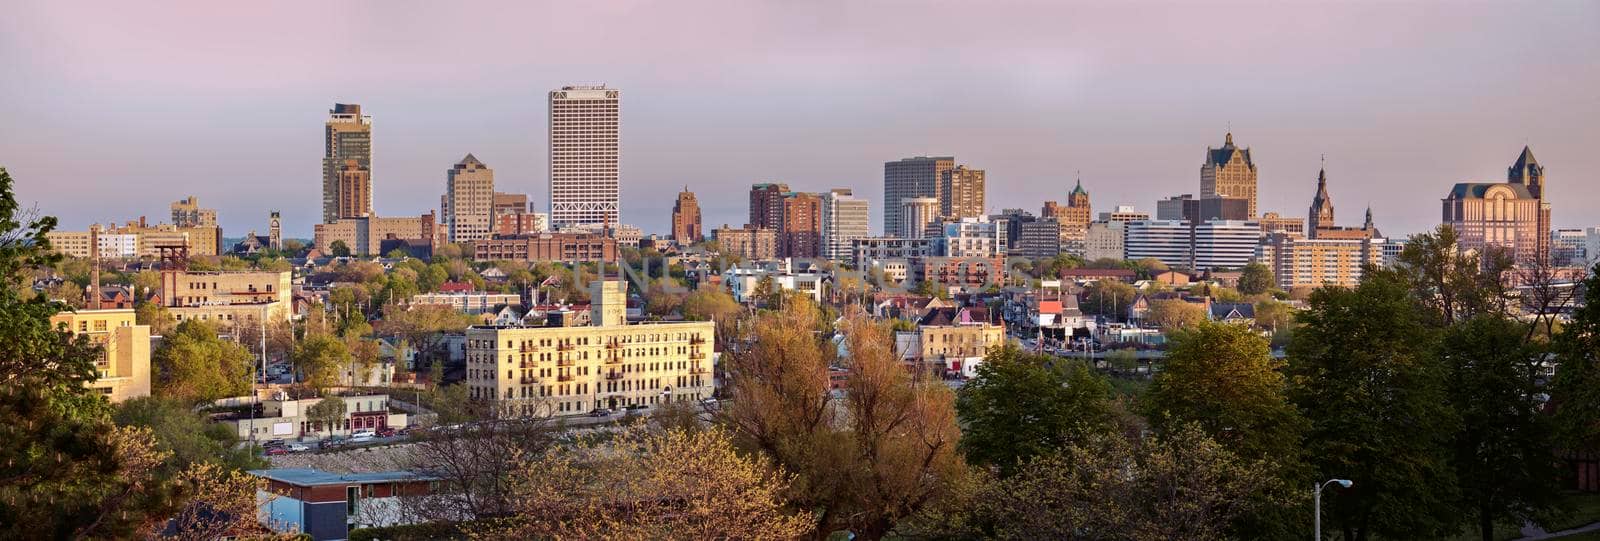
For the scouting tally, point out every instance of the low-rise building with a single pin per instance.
(582, 247)
(868, 249)
(753, 243)
(326, 505)
(742, 282)
(957, 339)
(123, 369)
(366, 235)
(286, 418)
(470, 302)
(227, 296)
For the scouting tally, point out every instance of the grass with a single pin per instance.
(1585, 511)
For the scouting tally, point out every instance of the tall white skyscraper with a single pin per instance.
(844, 219)
(583, 156)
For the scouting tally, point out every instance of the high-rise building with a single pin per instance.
(766, 205)
(752, 243)
(1229, 172)
(469, 198)
(584, 126)
(961, 193)
(1225, 244)
(801, 234)
(186, 212)
(1039, 239)
(910, 178)
(1186, 207)
(844, 219)
(686, 227)
(1569, 248)
(1298, 261)
(1168, 241)
(275, 231)
(1124, 213)
(1105, 240)
(347, 135)
(915, 215)
(355, 190)
(510, 203)
(1504, 214)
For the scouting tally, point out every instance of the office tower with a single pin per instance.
(1168, 241)
(506, 204)
(916, 213)
(584, 125)
(1105, 240)
(1225, 244)
(801, 234)
(1527, 172)
(275, 231)
(1568, 248)
(910, 178)
(469, 197)
(961, 193)
(766, 205)
(1321, 213)
(1186, 207)
(186, 212)
(347, 135)
(1315, 262)
(1039, 239)
(844, 219)
(686, 219)
(1014, 218)
(1229, 172)
(355, 191)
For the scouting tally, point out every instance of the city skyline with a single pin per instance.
(1381, 96)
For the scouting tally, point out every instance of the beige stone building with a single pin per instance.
(546, 247)
(365, 236)
(123, 369)
(1511, 215)
(136, 240)
(1273, 222)
(609, 364)
(1299, 261)
(748, 242)
(686, 227)
(916, 214)
(227, 296)
(962, 192)
(957, 339)
(186, 212)
(1073, 219)
(469, 200)
(1229, 172)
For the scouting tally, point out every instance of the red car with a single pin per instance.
(385, 432)
(275, 451)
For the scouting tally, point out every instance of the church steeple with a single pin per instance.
(1368, 224)
(1527, 171)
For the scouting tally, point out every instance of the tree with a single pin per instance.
(1179, 486)
(1273, 315)
(1222, 379)
(1454, 285)
(1108, 297)
(219, 503)
(1363, 371)
(156, 316)
(1022, 405)
(651, 485)
(424, 326)
(339, 249)
(1575, 391)
(327, 414)
(659, 302)
(1172, 315)
(194, 365)
(187, 437)
(1502, 457)
(320, 360)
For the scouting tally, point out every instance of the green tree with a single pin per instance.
(156, 316)
(1502, 451)
(188, 436)
(1108, 297)
(339, 249)
(328, 414)
(321, 359)
(1022, 405)
(1454, 285)
(1172, 315)
(1363, 371)
(194, 365)
(1576, 387)
(1255, 278)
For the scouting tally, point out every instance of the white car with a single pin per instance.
(297, 448)
(363, 436)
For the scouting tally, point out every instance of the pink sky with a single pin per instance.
(113, 110)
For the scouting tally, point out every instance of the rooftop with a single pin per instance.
(313, 477)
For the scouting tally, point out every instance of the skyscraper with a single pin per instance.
(766, 204)
(469, 200)
(1527, 172)
(1507, 214)
(961, 193)
(844, 219)
(686, 219)
(355, 191)
(584, 124)
(347, 136)
(801, 234)
(1229, 172)
(916, 213)
(910, 178)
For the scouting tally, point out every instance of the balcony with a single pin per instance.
(613, 345)
(529, 380)
(564, 362)
(696, 340)
(564, 377)
(528, 363)
(614, 375)
(528, 348)
(564, 347)
(613, 360)
(695, 355)
(697, 369)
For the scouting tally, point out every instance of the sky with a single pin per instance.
(112, 110)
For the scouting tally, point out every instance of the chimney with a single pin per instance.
(94, 267)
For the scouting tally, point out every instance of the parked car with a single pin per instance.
(386, 432)
(297, 448)
(272, 443)
(275, 451)
(599, 412)
(363, 436)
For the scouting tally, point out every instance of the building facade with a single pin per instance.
(970, 237)
(686, 228)
(469, 302)
(916, 213)
(748, 242)
(866, 250)
(227, 297)
(766, 205)
(1168, 241)
(1298, 261)
(1105, 240)
(572, 370)
(347, 135)
(910, 178)
(582, 247)
(123, 368)
(584, 127)
(365, 236)
(469, 200)
(844, 219)
(801, 234)
(1225, 244)
(1039, 239)
(1229, 172)
(186, 212)
(961, 193)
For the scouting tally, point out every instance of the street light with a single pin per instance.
(1316, 498)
